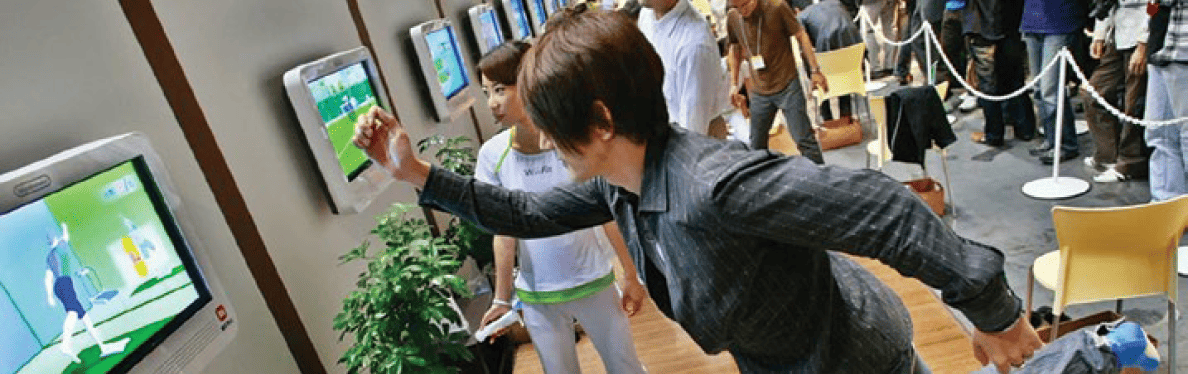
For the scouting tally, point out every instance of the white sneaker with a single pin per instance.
(1092, 162)
(968, 102)
(1111, 175)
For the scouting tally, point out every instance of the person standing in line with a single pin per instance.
(881, 56)
(695, 87)
(991, 30)
(563, 277)
(1047, 27)
(1167, 78)
(760, 31)
(1120, 43)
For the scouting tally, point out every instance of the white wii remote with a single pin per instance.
(508, 319)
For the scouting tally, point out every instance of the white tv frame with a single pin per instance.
(513, 23)
(446, 108)
(538, 23)
(200, 338)
(476, 23)
(346, 196)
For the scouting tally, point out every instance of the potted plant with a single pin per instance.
(402, 316)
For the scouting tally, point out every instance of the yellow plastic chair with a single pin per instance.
(1111, 254)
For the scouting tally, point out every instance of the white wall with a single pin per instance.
(234, 53)
(73, 72)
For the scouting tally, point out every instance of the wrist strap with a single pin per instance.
(501, 302)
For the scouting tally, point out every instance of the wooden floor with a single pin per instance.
(665, 348)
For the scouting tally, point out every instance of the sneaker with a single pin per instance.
(1131, 347)
(1111, 175)
(968, 102)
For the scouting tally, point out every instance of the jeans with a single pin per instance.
(1117, 142)
(792, 101)
(1074, 353)
(1041, 49)
(1169, 161)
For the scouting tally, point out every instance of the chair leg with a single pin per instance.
(1171, 336)
(945, 165)
(1055, 322)
(1030, 290)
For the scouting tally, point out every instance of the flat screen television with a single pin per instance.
(517, 19)
(328, 95)
(440, 57)
(102, 271)
(485, 23)
(538, 15)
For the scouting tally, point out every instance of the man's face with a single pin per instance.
(661, 5)
(745, 7)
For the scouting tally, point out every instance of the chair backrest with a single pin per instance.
(1118, 252)
(843, 71)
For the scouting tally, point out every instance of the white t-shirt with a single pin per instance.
(554, 263)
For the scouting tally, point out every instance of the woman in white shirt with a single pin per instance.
(564, 277)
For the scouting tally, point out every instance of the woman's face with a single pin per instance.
(504, 102)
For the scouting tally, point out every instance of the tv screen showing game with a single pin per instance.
(447, 61)
(328, 96)
(442, 65)
(517, 19)
(96, 274)
(485, 23)
(342, 97)
(538, 14)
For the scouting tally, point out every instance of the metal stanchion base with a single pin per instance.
(1055, 188)
(1183, 261)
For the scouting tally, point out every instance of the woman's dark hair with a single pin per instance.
(589, 56)
(502, 63)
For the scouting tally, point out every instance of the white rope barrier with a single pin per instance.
(1064, 55)
(883, 38)
(1105, 103)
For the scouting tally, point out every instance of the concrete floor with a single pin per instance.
(988, 206)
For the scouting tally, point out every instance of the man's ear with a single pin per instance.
(604, 122)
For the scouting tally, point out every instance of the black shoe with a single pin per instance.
(1046, 158)
(1041, 149)
(990, 142)
(1024, 137)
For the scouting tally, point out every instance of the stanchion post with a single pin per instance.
(1057, 187)
(928, 55)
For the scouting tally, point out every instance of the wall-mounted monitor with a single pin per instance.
(538, 15)
(102, 271)
(328, 95)
(517, 19)
(485, 23)
(440, 57)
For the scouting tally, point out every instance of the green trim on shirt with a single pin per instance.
(568, 294)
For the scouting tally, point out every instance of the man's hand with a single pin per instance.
(384, 140)
(634, 295)
(1138, 60)
(1010, 348)
(1097, 49)
(819, 81)
(493, 313)
(739, 101)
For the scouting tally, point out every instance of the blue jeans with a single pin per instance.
(792, 101)
(1041, 49)
(1169, 161)
(1075, 353)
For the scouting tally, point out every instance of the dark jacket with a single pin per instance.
(913, 131)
